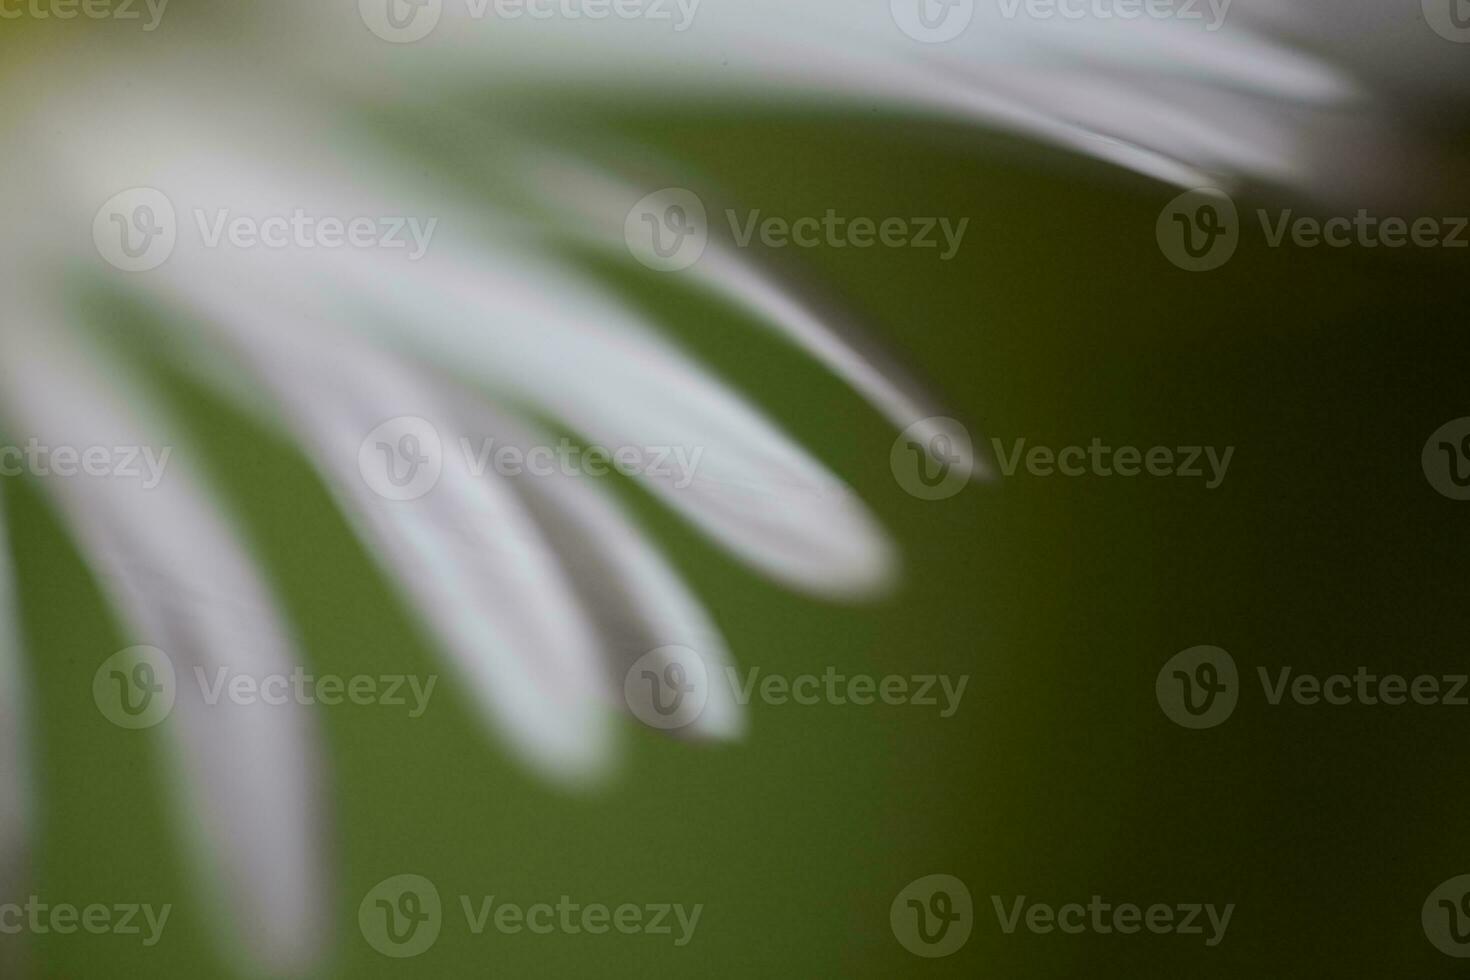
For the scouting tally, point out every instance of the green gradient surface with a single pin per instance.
(1059, 778)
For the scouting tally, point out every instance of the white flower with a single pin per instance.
(541, 591)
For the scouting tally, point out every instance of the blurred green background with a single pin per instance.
(1059, 778)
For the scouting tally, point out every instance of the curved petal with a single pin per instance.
(482, 577)
(545, 339)
(175, 568)
(637, 600)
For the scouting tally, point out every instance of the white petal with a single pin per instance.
(638, 601)
(593, 204)
(534, 332)
(1020, 73)
(482, 577)
(176, 570)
